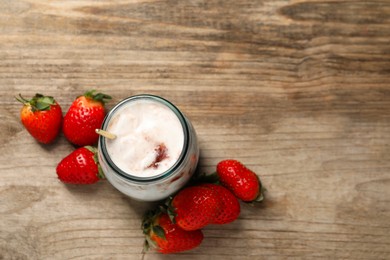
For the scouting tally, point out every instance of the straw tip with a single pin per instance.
(105, 134)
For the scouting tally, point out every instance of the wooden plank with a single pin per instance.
(297, 90)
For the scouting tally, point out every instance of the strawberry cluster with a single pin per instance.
(173, 227)
(177, 225)
(42, 117)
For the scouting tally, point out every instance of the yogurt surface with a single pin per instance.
(149, 140)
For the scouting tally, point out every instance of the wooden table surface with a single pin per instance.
(299, 91)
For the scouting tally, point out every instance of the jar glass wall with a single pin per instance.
(149, 187)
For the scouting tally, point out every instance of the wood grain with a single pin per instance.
(297, 90)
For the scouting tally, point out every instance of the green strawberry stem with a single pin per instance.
(169, 209)
(22, 99)
(97, 97)
(261, 195)
(148, 243)
(148, 225)
(38, 103)
(94, 150)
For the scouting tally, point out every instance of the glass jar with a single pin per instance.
(163, 184)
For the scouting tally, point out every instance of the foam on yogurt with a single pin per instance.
(149, 138)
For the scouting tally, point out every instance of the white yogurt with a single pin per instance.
(155, 151)
(147, 131)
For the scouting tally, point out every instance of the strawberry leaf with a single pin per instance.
(41, 106)
(260, 197)
(149, 243)
(46, 100)
(98, 96)
(146, 246)
(38, 103)
(170, 210)
(101, 174)
(159, 231)
(148, 219)
(91, 149)
(101, 97)
(94, 150)
(41, 103)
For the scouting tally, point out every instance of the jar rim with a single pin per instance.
(162, 175)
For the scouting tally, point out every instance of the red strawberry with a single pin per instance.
(230, 209)
(243, 182)
(42, 117)
(84, 116)
(80, 167)
(194, 207)
(167, 237)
